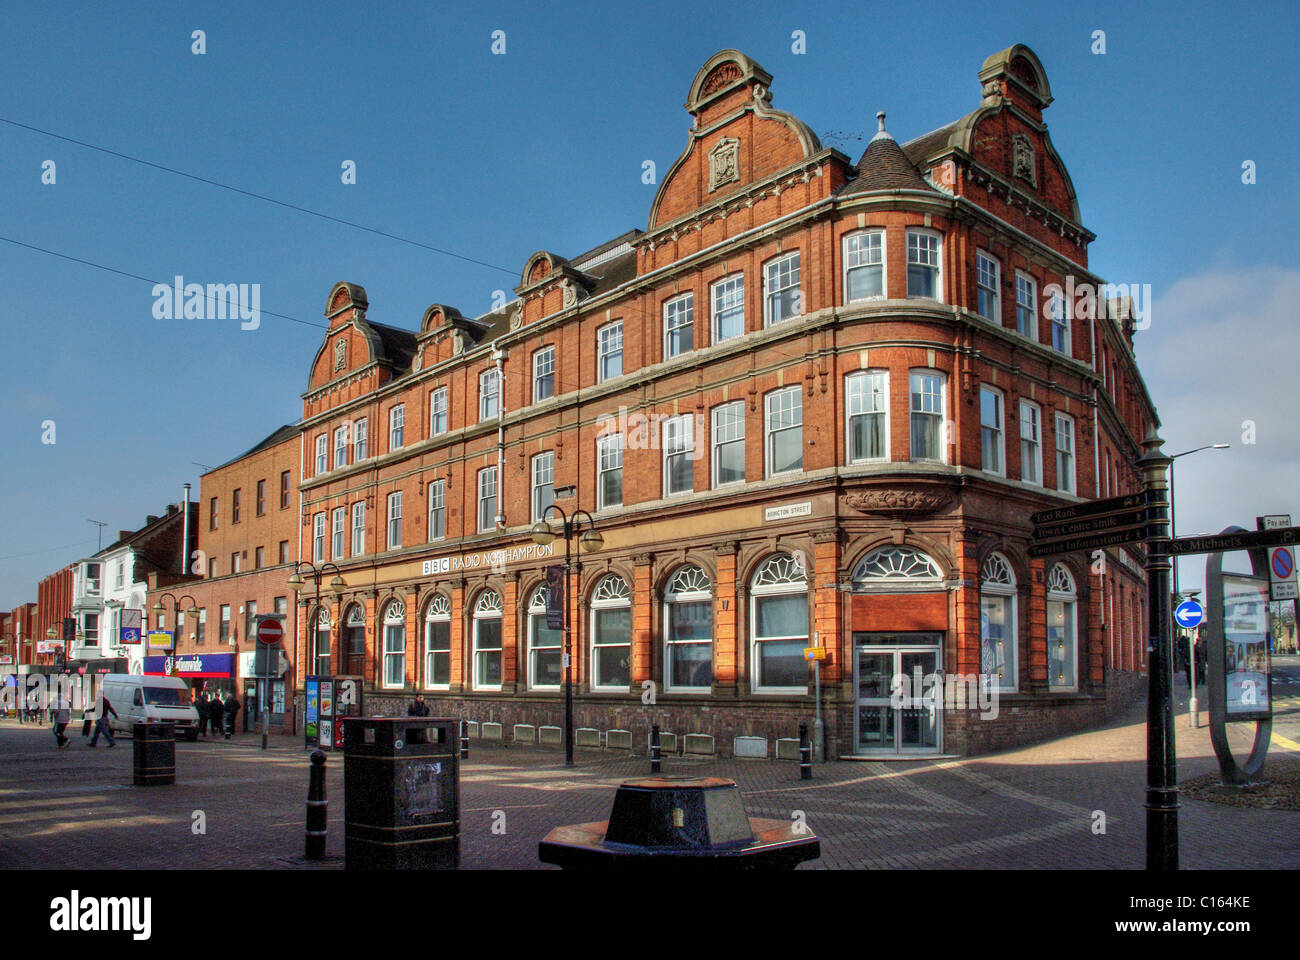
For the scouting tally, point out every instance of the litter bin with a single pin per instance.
(154, 748)
(401, 793)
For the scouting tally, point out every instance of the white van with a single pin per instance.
(137, 699)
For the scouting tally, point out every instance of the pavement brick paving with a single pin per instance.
(1033, 807)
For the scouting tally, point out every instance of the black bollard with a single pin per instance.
(317, 808)
(464, 740)
(805, 752)
(654, 748)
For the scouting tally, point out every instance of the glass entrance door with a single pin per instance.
(899, 708)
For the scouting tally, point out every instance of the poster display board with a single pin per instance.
(1247, 675)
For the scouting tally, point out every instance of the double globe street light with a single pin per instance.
(589, 540)
(336, 585)
(191, 611)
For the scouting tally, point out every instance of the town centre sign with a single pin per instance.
(492, 559)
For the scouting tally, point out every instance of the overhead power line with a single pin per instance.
(257, 196)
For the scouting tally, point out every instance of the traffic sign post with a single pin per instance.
(270, 632)
(1189, 614)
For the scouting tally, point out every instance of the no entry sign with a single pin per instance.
(269, 631)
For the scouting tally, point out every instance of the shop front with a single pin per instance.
(205, 672)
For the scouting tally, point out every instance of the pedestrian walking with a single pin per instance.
(418, 708)
(232, 708)
(101, 722)
(215, 710)
(201, 705)
(62, 714)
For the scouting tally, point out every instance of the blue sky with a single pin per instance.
(494, 157)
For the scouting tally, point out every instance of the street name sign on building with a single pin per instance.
(1245, 540)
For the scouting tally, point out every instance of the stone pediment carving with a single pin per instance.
(893, 501)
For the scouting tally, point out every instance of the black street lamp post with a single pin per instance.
(191, 611)
(589, 540)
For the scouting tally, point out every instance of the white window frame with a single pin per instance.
(1061, 589)
(674, 309)
(722, 294)
(677, 440)
(859, 256)
(1027, 304)
(607, 597)
(781, 585)
(1034, 443)
(986, 263)
(338, 541)
(1000, 429)
(394, 617)
(486, 605)
(438, 611)
(605, 455)
(543, 369)
(721, 435)
(322, 453)
(359, 432)
(438, 412)
(942, 413)
(937, 266)
(438, 506)
(688, 584)
(489, 394)
(1058, 313)
(318, 537)
(537, 608)
(358, 528)
(1003, 586)
(395, 520)
(341, 447)
(872, 395)
(609, 343)
(779, 270)
(769, 433)
(397, 426)
(487, 523)
(543, 475)
(1069, 433)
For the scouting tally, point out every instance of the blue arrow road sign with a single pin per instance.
(1189, 614)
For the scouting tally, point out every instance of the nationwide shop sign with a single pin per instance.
(489, 559)
(192, 665)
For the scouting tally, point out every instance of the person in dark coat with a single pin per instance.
(62, 717)
(101, 723)
(418, 707)
(215, 710)
(201, 705)
(232, 708)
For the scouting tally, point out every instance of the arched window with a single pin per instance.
(1062, 631)
(487, 641)
(999, 655)
(895, 568)
(778, 617)
(611, 634)
(354, 639)
(321, 642)
(394, 674)
(688, 630)
(545, 665)
(437, 643)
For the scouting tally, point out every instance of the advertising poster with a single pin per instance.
(326, 733)
(1247, 666)
(312, 712)
(326, 698)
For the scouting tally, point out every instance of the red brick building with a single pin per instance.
(54, 602)
(247, 519)
(812, 404)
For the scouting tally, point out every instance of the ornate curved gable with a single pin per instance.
(736, 140)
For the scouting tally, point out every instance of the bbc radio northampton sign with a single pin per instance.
(491, 559)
